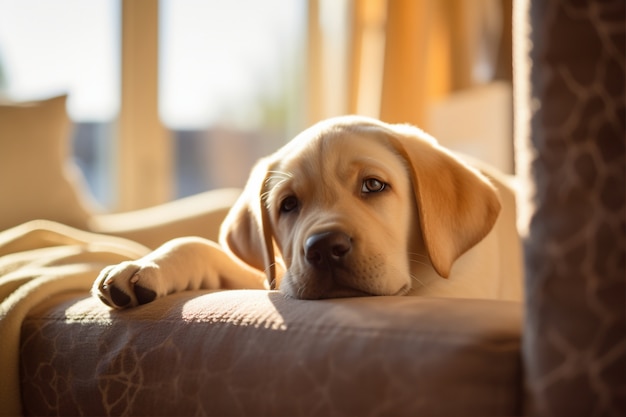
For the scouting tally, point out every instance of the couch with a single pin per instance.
(561, 351)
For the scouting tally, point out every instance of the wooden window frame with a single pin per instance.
(143, 147)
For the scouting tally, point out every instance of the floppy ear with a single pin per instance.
(457, 205)
(246, 231)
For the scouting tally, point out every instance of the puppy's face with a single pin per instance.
(341, 210)
(355, 206)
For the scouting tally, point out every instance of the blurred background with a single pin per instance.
(174, 97)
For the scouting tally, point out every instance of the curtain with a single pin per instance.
(403, 54)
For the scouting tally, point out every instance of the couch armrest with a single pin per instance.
(254, 352)
(198, 215)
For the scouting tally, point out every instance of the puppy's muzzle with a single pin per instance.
(327, 249)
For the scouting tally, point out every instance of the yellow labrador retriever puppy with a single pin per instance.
(350, 207)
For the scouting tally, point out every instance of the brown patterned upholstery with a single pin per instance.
(575, 333)
(258, 353)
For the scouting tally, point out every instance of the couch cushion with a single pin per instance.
(38, 179)
(257, 353)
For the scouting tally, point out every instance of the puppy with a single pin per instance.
(350, 207)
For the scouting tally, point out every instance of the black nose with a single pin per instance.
(323, 250)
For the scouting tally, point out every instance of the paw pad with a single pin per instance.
(144, 295)
(119, 297)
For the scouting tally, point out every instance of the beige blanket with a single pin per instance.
(40, 259)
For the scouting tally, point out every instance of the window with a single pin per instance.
(230, 82)
(230, 86)
(67, 46)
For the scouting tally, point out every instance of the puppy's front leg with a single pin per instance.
(186, 263)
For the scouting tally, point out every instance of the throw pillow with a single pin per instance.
(37, 178)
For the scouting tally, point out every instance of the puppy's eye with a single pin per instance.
(289, 204)
(372, 185)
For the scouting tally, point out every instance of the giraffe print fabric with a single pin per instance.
(574, 345)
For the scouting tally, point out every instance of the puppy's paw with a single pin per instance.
(129, 284)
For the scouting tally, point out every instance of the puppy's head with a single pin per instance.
(352, 205)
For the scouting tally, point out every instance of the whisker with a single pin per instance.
(274, 180)
(418, 254)
(302, 288)
(414, 278)
(277, 176)
(415, 261)
(281, 173)
(266, 271)
(424, 261)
